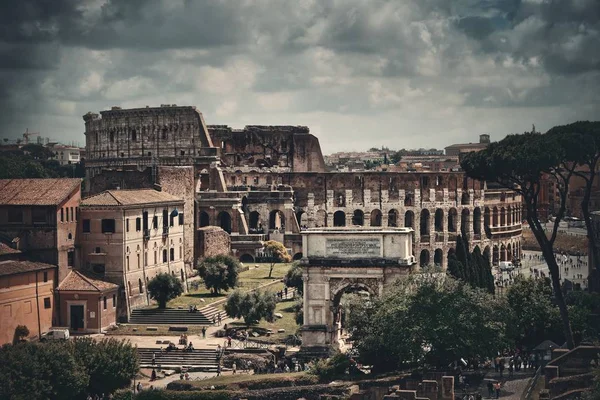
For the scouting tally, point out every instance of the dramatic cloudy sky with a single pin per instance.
(404, 73)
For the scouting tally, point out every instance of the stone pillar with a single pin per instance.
(367, 195)
(384, 196)
(448, 388)
(349, 199)
(330, 199)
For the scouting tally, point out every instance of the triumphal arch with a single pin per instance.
(339, 260)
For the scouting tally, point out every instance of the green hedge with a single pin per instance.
(196, 395)
(266, 382)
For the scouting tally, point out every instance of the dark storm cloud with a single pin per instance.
(343, 57)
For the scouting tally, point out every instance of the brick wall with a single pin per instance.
(211, 241)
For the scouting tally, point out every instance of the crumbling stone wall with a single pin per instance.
(212, 241)
(269, 146)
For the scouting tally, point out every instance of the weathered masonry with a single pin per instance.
(341, 260)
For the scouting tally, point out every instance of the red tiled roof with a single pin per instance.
(11, 267)
(36, 192)
(78, 282)
(6, 249)
(129, 198)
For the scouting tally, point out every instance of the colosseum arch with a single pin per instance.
(495, 216)
(486, 218)
(302, 218)
(464, 199)
(339, 218)
(276, 220)
(224, 221)
(254, 220)
(424, 258)
(439, 220)
(393, 218)
(464, 221)
(376, 218)
(509, 216)
(424, 222)
(495, 255)
(204, 219)
(408, 200)
(477, 220)
(321, 219)
(438, 257)
(509, 253)
(502, 252)
(452, 219)
(409, 219)
(358, 218)
(502, 216)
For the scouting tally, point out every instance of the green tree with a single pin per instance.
(41, 371)
(21, 332)
(219, 272)
(428, 319)
(251, 306)
(518, 162)
(276, 253)
(111, 364)
(395, 157)
(164, 287)
(293, 278)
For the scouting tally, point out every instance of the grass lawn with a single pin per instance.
(248, 280)
(288, 322)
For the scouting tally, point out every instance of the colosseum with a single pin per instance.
(270, 182)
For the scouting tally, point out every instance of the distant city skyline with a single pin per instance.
(359, 74)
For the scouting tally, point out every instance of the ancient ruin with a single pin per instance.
(269, 182)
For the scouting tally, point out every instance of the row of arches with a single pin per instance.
(502, 216)
(498, 253)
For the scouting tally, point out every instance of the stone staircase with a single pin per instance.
(197, 360)
(172, 316)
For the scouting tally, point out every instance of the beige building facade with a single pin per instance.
(130, 236)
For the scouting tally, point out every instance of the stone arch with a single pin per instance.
(477, 220)
(140, 286)
(246, 258)
(509, 254)
(495, 255)
(452, 218)
(464, 220)
(439, 220)
(204, 219)
(339, 218)
(409, 219)
(502, 216)
(339, 286)
(424, 222)
(358, 218)
(486, 218)
(438, 257)
(408, 200)
(224, 221)
(509, 216)
(302, 218)
(502, 252)
(424, 258)
(393, 218)
(321, 219)
(376, 218)
(297, 256)
(495, 216)
(254, 220)
(276, 220)
(464, 199)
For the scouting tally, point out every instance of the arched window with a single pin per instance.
(339, 218)
(141, 285)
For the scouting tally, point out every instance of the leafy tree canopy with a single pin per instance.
(276, 252)
(252, 306)
(220, 273)
(164, 287)
(293, 278)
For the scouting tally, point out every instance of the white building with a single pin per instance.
(67, 155)
(129, 236)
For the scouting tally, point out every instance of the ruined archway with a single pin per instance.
(339, 218)
(409, 219)
(224, 221)
(438, 257)
(276, 220)
(424, 223)
(393, 218)
(358, 218)
(477, 221)
(452, 218)
(254, 220)
(321, 219)
(424, 258)
(439, 220)
(302, 219)
(464, 221)
(204, 219)
(376, 218)
(246, 258)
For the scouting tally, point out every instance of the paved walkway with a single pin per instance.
(512, 388)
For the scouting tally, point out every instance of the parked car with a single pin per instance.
(56, 334)
(506, 266)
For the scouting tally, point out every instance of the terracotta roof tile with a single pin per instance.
(129, 198)
(6, 249)
(76, 281)
(12, 267)
(36, 192)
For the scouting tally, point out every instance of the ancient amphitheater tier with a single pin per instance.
(269, 182)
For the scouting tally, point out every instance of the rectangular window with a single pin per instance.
(15, 216)
(67, 214)
(38, 216)
(145, 259)
(45, 276)
(62, 215)
(108, 226)
(105, 302)
(138, 224)
(47, 302)
(155, 260)
(155, 222)
(114, 300)
(180, 219)
(72, 215)
(86, 226)
(138, 261)
(165, 255)
(172, 254)
(70, 258)
(127, 262)
(127, 225)
(172, 220)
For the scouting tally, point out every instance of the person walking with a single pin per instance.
(139, 387)
(234, 368)
(203, 332)
(490, 387)
(219, 318)
(497, 389)
(219, 369)
(153, 358)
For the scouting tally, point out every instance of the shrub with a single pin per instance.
(331, 368)
(164, 287)
(255, 360)
(219, 272)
